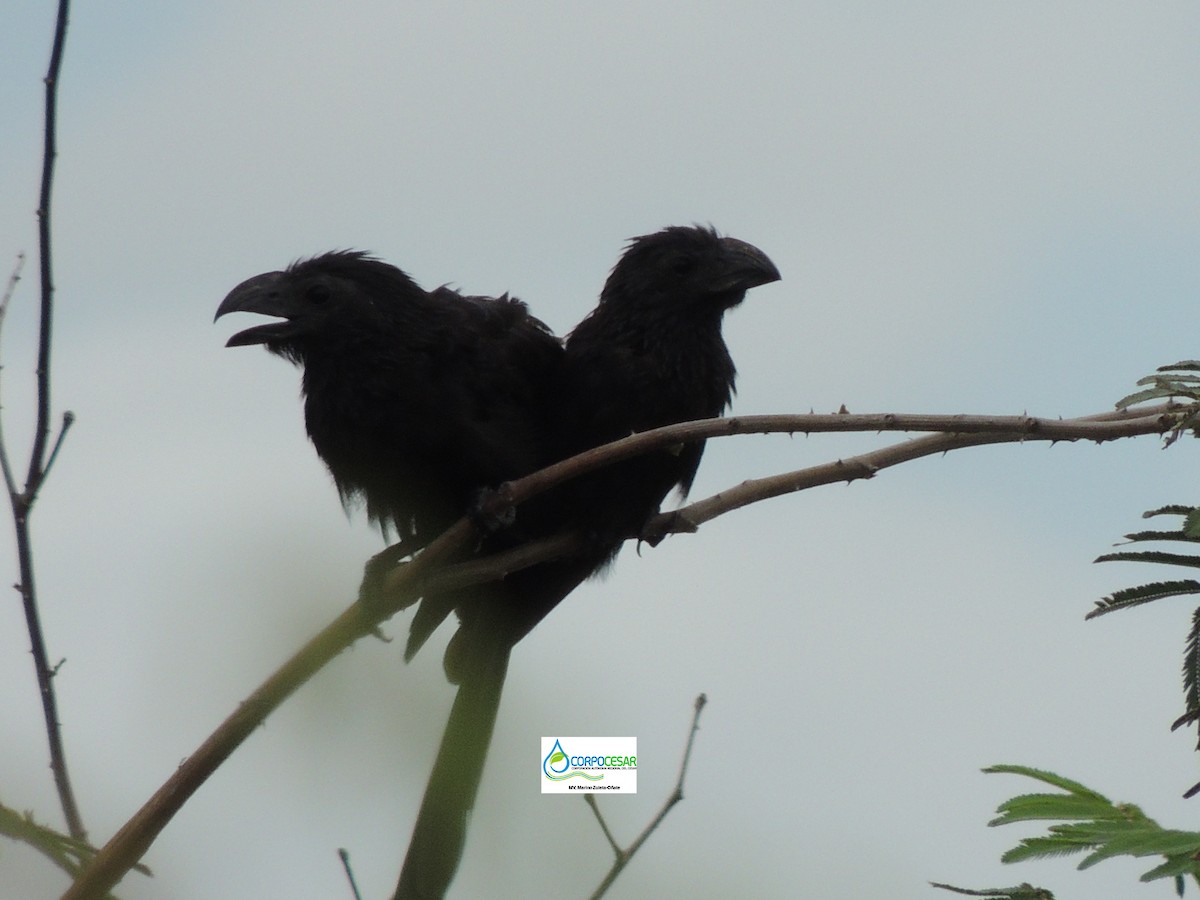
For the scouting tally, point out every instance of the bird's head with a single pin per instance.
(315, 300)
(688, 265)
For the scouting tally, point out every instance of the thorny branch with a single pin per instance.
(22, 500)
(428, 571)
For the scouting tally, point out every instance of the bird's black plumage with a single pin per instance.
(414, 399)
(650, 354)
(418, 400)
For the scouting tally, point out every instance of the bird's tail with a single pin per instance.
(441, 828)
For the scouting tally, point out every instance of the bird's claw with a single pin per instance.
(372, 591)
(675, 522)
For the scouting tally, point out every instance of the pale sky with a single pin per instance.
(976, 208)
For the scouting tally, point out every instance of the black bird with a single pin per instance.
(415, 400)
(650, 354)
(418, 400)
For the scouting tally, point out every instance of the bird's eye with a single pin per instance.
(317, 293)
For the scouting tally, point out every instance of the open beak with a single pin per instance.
(267, 295)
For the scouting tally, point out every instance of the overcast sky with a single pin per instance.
(976, 208)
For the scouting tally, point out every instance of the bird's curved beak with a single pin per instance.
(263, 294)
(746, 267)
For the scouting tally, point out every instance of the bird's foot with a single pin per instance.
(659, 527)
(373, 595)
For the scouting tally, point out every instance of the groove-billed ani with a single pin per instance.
(650, 354)
(415, 400)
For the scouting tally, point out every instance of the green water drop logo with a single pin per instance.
(550, 765)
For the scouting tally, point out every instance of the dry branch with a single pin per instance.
(22, 500)
(621, 855)
(428, 571)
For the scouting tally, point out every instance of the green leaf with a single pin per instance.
(1051, 806)
(1144, 593)
(1020, 892)
(1046, 777)
(1180, 535)
(1138, 397)
(1171, 379)
(1173, 867)
(1171, 509)
(1153, 556)
(1040, 848)
(64, 851)
(1109, 830)
(1191, 674)
(1191, 524)
(1145, 841)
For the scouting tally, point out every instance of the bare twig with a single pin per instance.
(14, 277)
(428, 572)
(22, 500)
(68, 419)
(344, 856)
(689, 518)
(623, 856)
(49, 154)
(10, 482)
